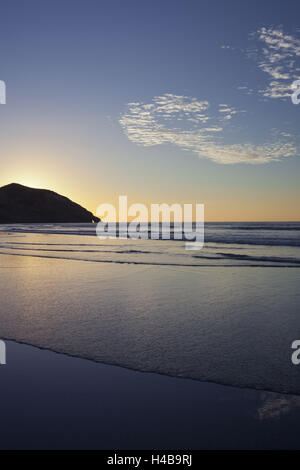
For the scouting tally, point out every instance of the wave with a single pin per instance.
(83, 251)
(271, 259)
(256, 234)
(153, 263)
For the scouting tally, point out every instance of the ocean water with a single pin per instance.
(226, 244)
(227, 313)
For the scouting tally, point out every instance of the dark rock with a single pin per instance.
(20, 204)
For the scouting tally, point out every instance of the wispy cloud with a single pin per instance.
(246, 89)
(278, 55)
(188, 123)
(228, 112)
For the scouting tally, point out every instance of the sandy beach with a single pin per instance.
(229, 325)
(53, 401)
(104, 352)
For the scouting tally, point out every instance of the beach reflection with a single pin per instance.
(275, 405)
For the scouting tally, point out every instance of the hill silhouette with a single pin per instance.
(21, 204)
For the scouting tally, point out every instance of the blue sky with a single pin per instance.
(164, 101)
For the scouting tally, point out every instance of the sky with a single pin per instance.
(173, 101)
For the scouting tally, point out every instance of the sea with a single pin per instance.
(228, 313)
(258, 244)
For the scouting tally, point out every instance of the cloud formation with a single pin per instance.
(278, 56)
(187, 123)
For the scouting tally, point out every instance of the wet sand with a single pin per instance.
(54, 401)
